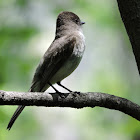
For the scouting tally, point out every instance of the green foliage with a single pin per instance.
(108, 66)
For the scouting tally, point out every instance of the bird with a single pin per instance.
(61, 58)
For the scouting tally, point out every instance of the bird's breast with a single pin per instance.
(72, 62)
(80, 45)
(69, 66)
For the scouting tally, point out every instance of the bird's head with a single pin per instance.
(68, 18)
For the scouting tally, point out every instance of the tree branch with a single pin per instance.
(74, 100)
(130, 13)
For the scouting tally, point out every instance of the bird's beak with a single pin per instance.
(82, 22)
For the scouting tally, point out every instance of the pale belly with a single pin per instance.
(68, 67)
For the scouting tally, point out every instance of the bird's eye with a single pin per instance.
(76, 20)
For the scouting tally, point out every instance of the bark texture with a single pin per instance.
(74, 100)
(130, 13)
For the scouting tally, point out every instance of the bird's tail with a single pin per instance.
(15, 115)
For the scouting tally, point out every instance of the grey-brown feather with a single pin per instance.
(52, 61)
(58, 53)
(61, 58)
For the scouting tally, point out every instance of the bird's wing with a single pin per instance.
(57, 54)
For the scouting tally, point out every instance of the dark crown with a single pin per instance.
(66, 16)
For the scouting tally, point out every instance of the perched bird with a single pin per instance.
(61, 59)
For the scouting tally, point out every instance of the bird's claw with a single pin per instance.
(62, 95)
(75, 93)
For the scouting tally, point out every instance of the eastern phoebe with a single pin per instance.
(61, 59)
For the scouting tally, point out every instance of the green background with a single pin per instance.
(27, 28)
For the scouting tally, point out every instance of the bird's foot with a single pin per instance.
(62, 95)
(75, 93)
